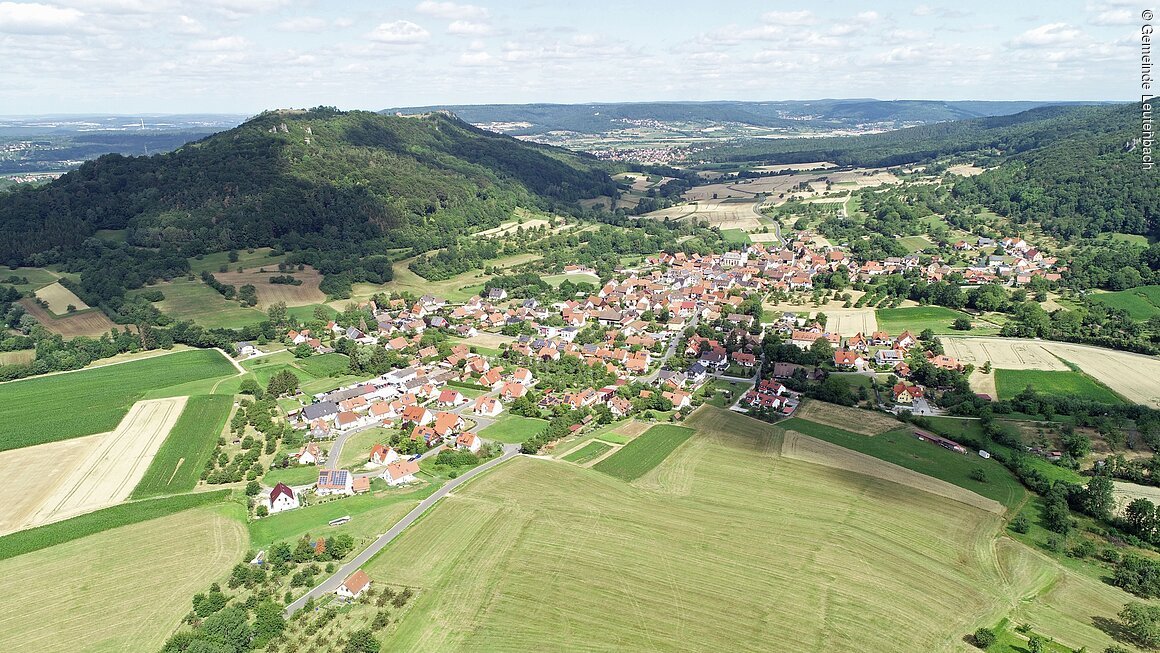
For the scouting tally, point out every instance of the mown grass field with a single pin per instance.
(915, 243)
(61, 406)
(246, 259)
(735, 236)
(292, 475)
(325, 364)
(557, 279)
(50, 535)
(179, 462)
(122, 590)
(1077, 384)
(644, 452)
(726, 545)
(588, 453)
(513, 429)
(193, 300)
(917, 318)
(1141, 302)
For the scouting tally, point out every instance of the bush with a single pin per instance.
(984, 637)
(1021, 524)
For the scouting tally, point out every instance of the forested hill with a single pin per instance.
(319, 179)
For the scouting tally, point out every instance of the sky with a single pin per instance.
(243, 56)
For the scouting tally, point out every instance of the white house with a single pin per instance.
(487, 407)
(400, 472)
(334, 481)
(354, 586)
(281, 498)
(309, 454)
(468, 441)
(383, 455)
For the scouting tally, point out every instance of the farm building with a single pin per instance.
(940, 441)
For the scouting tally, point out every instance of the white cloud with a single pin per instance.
(475, 59)
(1049, 34)
(220, 44)
(399, 32)
(35, 18)
(469, 28)
(922, 10)
(1114, 17)
(302, 24)
(187, 25)
(869, 16)
(452, 10)
(803, 17)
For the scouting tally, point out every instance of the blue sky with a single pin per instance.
(242, 56)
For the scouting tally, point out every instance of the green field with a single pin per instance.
(62, 406)
(246, 259)
(735, 236)
(325, 364)
(37, 278)
(41, 537)
(179, 462)
(726, 545)
(1077, 384)
(614, 438)
(915, 243)
(292, 475)
(588, 453)
(557, 279)
(357, 449)
(902, 448)
(513, 429)
(644, 452)
(917, 318)
(1141, 302)
(305, 314)
(193, 300)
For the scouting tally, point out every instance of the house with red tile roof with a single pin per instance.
(354, 586)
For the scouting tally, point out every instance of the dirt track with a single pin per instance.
(106, 470)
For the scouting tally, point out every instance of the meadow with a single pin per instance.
(187, 299)
(917, 318)
(97, 398)
(177, 466)
(726, 545)
(292, 475)
(50, 535)
(1076, 384)
(646, 451)
(588, 453)
(122, 590)
(513, 429)
(1141, 302)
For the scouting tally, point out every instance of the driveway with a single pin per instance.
(329, 585)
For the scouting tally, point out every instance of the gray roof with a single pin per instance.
(320, 409)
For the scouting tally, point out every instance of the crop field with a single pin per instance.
(728, 214)
(851, 321)
(93, 322)
(271, 293)
(38, 470)
(917, 318)
(178, 464)
(109, 471)
(1141, 303)
(1134, 377)
(513, 429)
(588, 453)
(852, 419)
(60, 298)
(1077, 384)
(122, 590)
(193, 300)
(771, 553)
(645, 452)
(97, 398)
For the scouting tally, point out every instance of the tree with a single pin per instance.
(283, 382)
(303, 350)
(1098, 498)
(1142, 622)
(1036, 644)
(822, 350)
(362, 641)
(253, 488)
(268, 623)
(961, 324)
(251, 387)
(228, 627)
(984, 637)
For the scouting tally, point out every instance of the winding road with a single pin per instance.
(331, 584)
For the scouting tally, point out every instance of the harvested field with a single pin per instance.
(485, 339)
(109, 470)
(1126, 492)
(726, 214)
(60, 298)
(645, 452)
(633, 428)
(851, 321)
(851, 419)
(1133, 376)
(121, 590)
(272, 293)
(38, 471)
(92, 322)
(811, 450)
(965, 170)
(17, 357)
(512, 227)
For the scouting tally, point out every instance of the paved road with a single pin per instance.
(675, 340)
(761, 217)
(330, 584)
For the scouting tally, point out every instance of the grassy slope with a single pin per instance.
(181, 459)
(724, 546)
(1011, 382)
(123, 590)
(62, 406)
(193, 300)
(1141, 303)
(513, 429)
(645, 452)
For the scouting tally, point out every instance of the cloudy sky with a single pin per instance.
(241, 56)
